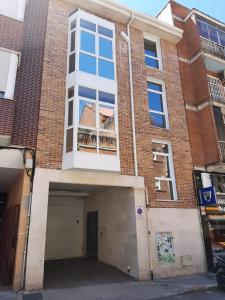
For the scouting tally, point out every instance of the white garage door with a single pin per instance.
(64, 236)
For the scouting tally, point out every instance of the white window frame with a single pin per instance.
(11, 81)
(156, 40)
(212, 25)
(20, 11)
(163, 93)
(171, 168)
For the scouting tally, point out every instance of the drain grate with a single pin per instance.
(36, 296)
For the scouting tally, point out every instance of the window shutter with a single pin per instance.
(219, 123)
(4, 70)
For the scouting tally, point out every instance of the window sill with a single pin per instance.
(6, 99)
(152, 68)
(158, 200)
(12, 18)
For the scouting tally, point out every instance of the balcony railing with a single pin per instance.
(222, 150)
(213, 48)
(216, 89)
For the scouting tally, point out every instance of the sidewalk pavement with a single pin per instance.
(133, 290)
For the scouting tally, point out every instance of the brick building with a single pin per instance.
(98, 96)
(202, 65)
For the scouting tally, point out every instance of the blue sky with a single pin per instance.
(214, 8)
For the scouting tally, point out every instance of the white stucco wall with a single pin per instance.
(166, 15)
(119, 231)
(185, 227)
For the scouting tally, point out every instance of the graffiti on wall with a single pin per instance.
(165, 247)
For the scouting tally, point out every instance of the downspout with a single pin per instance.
(132, 96)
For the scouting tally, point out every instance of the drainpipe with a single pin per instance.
(128, 40)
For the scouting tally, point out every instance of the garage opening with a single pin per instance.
(90, 236)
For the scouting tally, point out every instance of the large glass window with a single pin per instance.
(156, 103)
(151, 54)
(96, 50)
(165, 185)
(96, 128)
(211, 32)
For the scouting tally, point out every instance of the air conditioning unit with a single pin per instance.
(222, 76)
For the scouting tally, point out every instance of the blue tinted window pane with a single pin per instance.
(203, 29)
(158, 120)
(151, 62)
(88, 25)
(154, 86)
(87, 42)
(87, 93)
(150, 48)
(155, 102)
(222, 38)
(105, 48)
(106, 69)
(213, 34)
(105, 97)
(87, 63)
(105, 31)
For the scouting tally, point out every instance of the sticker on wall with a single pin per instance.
(165, 247)
(140, 211)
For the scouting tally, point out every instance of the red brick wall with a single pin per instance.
(6, 116)
(11, 33)
(29, 76)
(51, 121)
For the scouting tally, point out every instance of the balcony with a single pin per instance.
(214, 55)
(216, 90)
(222, 151)
(213, 48)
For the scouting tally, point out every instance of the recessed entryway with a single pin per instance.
(79, 272)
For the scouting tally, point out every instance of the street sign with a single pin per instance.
(208, 196)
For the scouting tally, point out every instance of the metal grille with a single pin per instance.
(216, 89)
(213, 48)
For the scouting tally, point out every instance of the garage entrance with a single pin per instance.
(90, 236)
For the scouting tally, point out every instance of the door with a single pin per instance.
(92, 235)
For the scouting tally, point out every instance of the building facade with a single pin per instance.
(98, 96)
(202, 63)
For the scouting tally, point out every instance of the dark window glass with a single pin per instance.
(72, 46)
(87, 42)
(69, 140)
(87, 93)
(71, 92)
(222, 37)
(105, 97)
(158, 120)
(88, 25)
(73, 24)
(106, 69)
(213, 34)
(72, 63)
(70, 113)
(2, 94)
(203, 29)
(155, 86)
(155, 102)
(150, 48)
(151, 62)
(105, 48)
(159, 147)
(105, 31)
(87, 63)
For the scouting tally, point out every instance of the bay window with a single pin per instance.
(211, 31)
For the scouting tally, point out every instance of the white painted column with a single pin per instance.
(142, 234)
(37, 234)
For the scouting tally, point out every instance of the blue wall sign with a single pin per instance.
(208, 196)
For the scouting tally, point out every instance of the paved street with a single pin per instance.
(208, 295)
